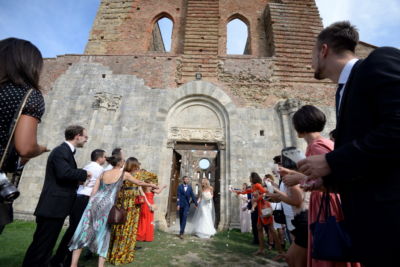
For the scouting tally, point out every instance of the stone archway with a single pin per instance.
(197, 113)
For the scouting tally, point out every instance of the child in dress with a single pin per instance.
(146, 221)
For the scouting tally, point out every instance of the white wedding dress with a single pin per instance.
(204, 217)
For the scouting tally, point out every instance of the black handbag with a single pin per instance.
(279, 215)
(331, 241)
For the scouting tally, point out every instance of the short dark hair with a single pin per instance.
(116, 151)
(96, 154)
(340, 36)
(287, 162)
(277, 159)
(309, 119)
(72, 131)
(255, 178)
(185, 176)
(20, 62)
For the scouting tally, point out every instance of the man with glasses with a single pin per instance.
(58, 196)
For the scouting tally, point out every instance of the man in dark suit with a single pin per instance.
(364, 166)
(58, 195)
(185, 196)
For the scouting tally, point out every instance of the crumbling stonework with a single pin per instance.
(149, 101)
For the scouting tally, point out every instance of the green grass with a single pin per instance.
(228, 248)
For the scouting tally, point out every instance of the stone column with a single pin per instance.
(286, 109)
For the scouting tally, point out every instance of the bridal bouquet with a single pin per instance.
(207, 196)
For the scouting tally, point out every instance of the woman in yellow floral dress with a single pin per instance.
(123, 236)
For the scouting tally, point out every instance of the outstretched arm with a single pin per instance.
(128, 176)
(159, 190)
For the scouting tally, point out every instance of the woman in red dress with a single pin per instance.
(146, 221)
(264, 222)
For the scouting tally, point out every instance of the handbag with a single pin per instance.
(266, 210)
(139, 200)
(279, 215)
(117, 214)
(10, 160)
(330, 239)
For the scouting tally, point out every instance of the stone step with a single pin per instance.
(202, 22)
(199, 57)
(196, 12)
(201, 27)
(201, 33)
(201, 45)
(200, 41)
(196, 52)
(201, 38)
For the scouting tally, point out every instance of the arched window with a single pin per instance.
(162, 35)
(238, 39)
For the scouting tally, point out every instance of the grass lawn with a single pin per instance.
(228, 248)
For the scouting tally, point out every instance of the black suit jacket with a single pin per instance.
(60, 184)
(365, 163)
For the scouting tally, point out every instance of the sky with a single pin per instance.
(59, 27)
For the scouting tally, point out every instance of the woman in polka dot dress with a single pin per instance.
(20, 67)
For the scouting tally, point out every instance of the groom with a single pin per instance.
(185, 192)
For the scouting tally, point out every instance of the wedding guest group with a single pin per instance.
(58, 195)
(323, 201)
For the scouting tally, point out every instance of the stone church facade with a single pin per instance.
(173, 109)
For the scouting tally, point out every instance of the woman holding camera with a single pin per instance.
(21, 109)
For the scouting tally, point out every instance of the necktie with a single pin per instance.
(337, 98)
(73, 153)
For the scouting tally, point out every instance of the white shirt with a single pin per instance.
(344, 76)
(70, 146)
(185, 187)
(87, 187)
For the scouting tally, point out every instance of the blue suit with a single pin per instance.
(184, 204)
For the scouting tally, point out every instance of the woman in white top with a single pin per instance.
(245, 215)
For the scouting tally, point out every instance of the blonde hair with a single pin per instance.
(207, 186)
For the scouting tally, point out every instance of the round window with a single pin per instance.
(204, 164)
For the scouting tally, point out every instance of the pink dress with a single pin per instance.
(318, 147)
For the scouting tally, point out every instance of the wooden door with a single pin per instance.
(173, 192)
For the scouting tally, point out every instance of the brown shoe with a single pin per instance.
(181, 236)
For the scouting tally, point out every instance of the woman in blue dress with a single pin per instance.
(93, 231)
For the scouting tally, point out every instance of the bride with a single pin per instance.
(204, 217)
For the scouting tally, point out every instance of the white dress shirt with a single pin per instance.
(344, 76)
(70, 146)
(96, 170)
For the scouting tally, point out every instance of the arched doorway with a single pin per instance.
(197, 133)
